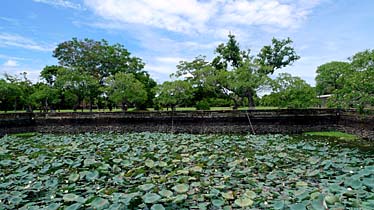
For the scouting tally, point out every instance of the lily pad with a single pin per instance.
(244, 202)
(157, 207)
(146, 187)
(100, 203)
(181, 188)
(151, 198)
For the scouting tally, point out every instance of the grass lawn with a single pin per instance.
(336, 134)
(150, 109)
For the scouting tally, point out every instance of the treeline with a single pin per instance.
(95, 75)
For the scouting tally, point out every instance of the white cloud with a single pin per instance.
(14, 40)
(194, 16)
(10, 63)
(172, 15)
(172, 60)
(61, 3)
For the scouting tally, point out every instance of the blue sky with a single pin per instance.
(163, 32)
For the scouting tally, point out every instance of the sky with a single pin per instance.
(164, 32)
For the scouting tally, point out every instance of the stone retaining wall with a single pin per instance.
(286, 121)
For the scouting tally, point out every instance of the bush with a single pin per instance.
(203, 105)
(157, 106)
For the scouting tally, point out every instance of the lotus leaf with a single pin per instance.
(70, 197)
(181, 188)
(179, 171)
(100, 203)
(228, 195)
(157, 207)
(151, 198)
(166, 193)
(244, 202)
(218, 202)
(146, 187)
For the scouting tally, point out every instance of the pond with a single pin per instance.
(185, 171)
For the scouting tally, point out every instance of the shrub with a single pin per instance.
(203, 105)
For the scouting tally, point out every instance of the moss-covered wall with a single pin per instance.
(287, 121)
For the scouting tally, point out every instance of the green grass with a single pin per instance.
(149, 109)
(24, 135)
(336, 134)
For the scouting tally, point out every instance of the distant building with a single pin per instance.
(323, 100)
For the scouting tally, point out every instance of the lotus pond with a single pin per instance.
(176, 171)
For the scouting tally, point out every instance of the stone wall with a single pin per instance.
(286, 121)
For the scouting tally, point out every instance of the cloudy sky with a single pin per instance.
(164, 32)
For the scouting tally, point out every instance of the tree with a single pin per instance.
(126, 90)
(49, 73)
(357, 88)
(291, 92)
(173, 93)
(9, 95)
(277, 55)
(97, 58)
(100, 60)
(80, 84)
(331, 76)
(44, 96)
(24, 85)
(237, 74)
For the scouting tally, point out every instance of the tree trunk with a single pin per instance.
(251, 102)
(91, 99)
(124, 106)
(15, 105)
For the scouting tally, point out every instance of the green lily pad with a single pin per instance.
(180, 198)
(166, 193)
(218, 202)
(180, 188)
(146, 187)
(157, 207)
(100, 203)
(70, 197)
(228, 195)
(92, 175)
(151, 198)
(244, 202)
(73, 177)
(74, 206)
(196, 169)
(298, 206)
(278, 205)
(149, 163)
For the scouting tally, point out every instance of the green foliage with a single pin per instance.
(168, 171)
(354, 86)
(173, 93)
(290, 92)
(125, 89)
(78, 84)
(235, 74)
(203, 105)
(277, 55)
(97, 58)
(9, 95)
(44, 96)
(331, 76)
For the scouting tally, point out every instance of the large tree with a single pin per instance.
(331, 76)
(126, 90)
(171, 94)
(81, 85)
(350, 83)
(235, 73)
(97, 58)
(290, 92)
(10, 94)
